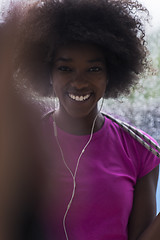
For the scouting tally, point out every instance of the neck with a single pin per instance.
(79, 126)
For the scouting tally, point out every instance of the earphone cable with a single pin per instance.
(76, 169)
(135, 133)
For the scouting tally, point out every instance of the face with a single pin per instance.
(79, 79)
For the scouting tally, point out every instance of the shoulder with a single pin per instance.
(120, 133)
(129, 131)
(141, 148)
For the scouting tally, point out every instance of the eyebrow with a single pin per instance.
(96, 60)
(63, 59)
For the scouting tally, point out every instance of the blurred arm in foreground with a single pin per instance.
(20, 172)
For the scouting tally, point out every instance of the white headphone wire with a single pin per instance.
(135, 133)
(77, 165)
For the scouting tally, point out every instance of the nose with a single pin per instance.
(79, 81)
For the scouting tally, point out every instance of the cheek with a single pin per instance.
(103, 84)
(59, 88)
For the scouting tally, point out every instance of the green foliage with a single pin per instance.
(149, 88)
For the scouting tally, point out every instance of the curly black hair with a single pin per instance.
(113, 25)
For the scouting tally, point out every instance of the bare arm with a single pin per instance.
(143, 223)
(18, 171)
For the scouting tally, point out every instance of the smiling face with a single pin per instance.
(79, 79)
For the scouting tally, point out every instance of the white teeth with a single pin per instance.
(79, 98)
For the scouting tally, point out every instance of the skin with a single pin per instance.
(79, 69)
(18, 139)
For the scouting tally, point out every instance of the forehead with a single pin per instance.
(76, 51)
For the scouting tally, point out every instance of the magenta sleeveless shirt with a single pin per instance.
(106, 176)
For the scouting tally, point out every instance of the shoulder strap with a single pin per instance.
(138, 135)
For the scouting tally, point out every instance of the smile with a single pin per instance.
(79, 98)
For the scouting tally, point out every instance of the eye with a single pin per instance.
(95, 69)
(64, 69)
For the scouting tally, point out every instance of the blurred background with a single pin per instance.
(142, 107)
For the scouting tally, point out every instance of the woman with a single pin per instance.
(101, 181)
